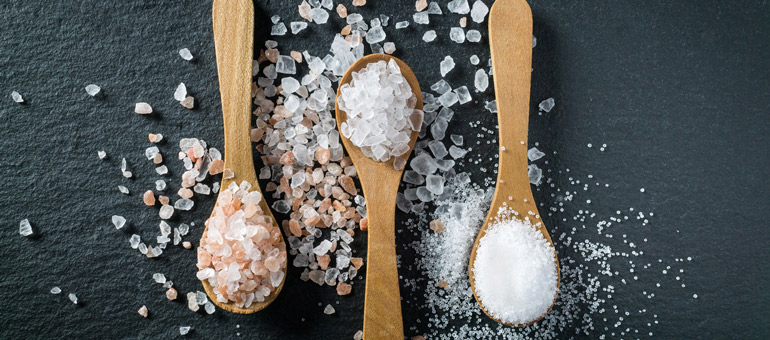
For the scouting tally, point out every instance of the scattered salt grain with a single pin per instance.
(459, 6)
(457, 35)
(474, 60)
(479, 11)
(297, 26)
(73, 298)
(429, 36)
(55, 290)
(123, 189)
(185, 54)
(433, 8)
(17, 97)
(183, 330)
(286, 65)
(319, 15)
(481, 80)
(143, 108)
(446, 65)
(329, 310)
(25, 229)
(181, 92)
(375, 35)
(534, 154)
(102, 154)
(143, 311)
(389, 47)
(463, 95)
(118, 221)
(535, 174)
(421, 18)
(473, 35)
(279, 29)
(402, 24)
(134, 241)
(93, 89)
(359, 3)
(547, 105)
(166, 211)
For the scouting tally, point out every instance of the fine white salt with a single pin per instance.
(515, 271)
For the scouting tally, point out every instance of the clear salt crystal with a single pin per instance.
(547, 105)
(123, 189)
(278, 29)
(438, 128)
(435, 184)
(412, 177)
(17, 97)
(286, 65)
(134, 241)
(185, 54)
(424, 195)
(161, 170)
(25, 229)
(184, 204)
(474, 60)
(389, 47)
(438, 149)
(181, 92)
(143, 108)
(209, 307)
(441, 87)
(491, 106)
(375, 35)
(377, 48)
(535, 174)
(328, 310)
(434, 8)
(297, 26)
(463, 95)
(534, 154)
(166, 211)
(429, 36)
(142, 248)
(456, 139)
(448, 99)
(402, 24)
(202, 189)
(459, 6)
(183, 330)
(93, 89)
(534, 41)
(159, 278)
(55, 290)
(73, 298)
(319, 16)
(446, 65)
(275, 19)
(473, 35)
(457, 35)
(102, 154)
(479, 11)
(456, 152)
(423, 164)
(402, 203)
(421, 18)
(160, 185)
(118, 221)
(481, 80)
(289, 84)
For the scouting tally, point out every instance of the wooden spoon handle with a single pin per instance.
(382, 307)
(234, 43)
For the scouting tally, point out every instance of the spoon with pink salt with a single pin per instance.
(233, 22)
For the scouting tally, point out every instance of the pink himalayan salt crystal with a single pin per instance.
(171, 294)
(216, 167)
(443, 284)
(186, 244)
(143, 311)
(437, 226)
(346, 182)
(155, 137)
(298, 58)
(185, 193)
(359, 3)
(420, 5)
(157, 159)
(323, 261)
(344, 288)
(241, 255)
(188, 102)
(149, 198)
(418, 337)
(463, 22)
(304, 10)
(322, 155)
(163, 199)
(143, 108)
(357, 262)
(342, 11)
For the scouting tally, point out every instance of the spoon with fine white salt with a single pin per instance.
(510, 40)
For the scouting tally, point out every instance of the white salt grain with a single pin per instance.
(429, 36)
(515, 272)
(446, 65)
(184, 330)
(402, 24)
(481, 80)
(118, 221)
(421, 18)
(73, 298)
(459, 6)
(534, 154)
(123, 189)
(159, 278)
(93, 89)
(279, 29)
(329, 310)
(547, 105)
(55, 290)
(25, 229)
(181, 92)
(319, 16)
(297, 26)
(479, 11)
(474, 60)
(185, 54)
(17, 97)
(457, 35)
(473, 35)
(102, 154)
(143, 108)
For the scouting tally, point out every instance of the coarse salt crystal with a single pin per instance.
(17, 97)
(25, 228)
(181, 92)
(143, 108)
(185, 54)
(92, 89)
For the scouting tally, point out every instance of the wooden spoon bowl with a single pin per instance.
(234, 44)
(510, 40)
(379, 181)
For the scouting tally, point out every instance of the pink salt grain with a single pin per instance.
(143, 311)
(186, 244)
(149, 198)
(304, 10)
(216, 167)
(322, 155)
(359, 3)
(342, 11)
(323, 261)
(171, 294)
(343, 288)
(348, 185)
(420, 5)
(357, 262)
(437, 226)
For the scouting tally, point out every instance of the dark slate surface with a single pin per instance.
(678, 91)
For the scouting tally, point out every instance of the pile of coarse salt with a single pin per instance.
(241, 254)
(381, 114)
(514, 271)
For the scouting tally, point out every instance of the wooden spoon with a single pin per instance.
(379, 180)
(234, 44)
(510, 40)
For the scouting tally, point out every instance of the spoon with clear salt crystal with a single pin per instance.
(510, 41)
(234, 44)
(379, 181)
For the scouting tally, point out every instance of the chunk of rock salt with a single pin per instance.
(481, 80)
(181, 92)
(446, 65)
(55, 290)
(457, 35)
(102, 154)
(73, 298)
(534, 154)
(93, 89)
(429, 36)
(421, 18)
(286, 65)
(143, 108)
(328, 310)
(474, 60)
(459, 6)
(402, 24)
(319, 15)
(25, 229)
(389, 47)
(118, 221)
(535, 174)
(143, 311)
(166, 211)
(279, 29)
(479, 11)
(297, 26)
(473, 35)
(183, 330)
(185, 54)
(547, 105)
(463, 95)
(434, 8)
(123, 189)
(17, 97)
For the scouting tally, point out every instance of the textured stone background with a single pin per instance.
(678, 90)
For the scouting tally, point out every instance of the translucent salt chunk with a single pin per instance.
(159, 278)
(438, 128)
(93, 89)
(457, 35)
(55, 290)
(438, 149)
(535, 174)
(375, 35)
(402, 203)
(166, 211)
(459, 6)
(473, 35)
(441, 87)
(102, 154)
(435, 184)
(389, 47)
(429, 36)
(412, 177)
(73, 298)
(456, 139)
(184, 330)
(474, 60)
(446, 65)
(534, 154)
(184, 204)
(547, 105)
(181, 92)
(143, 108)
(278, 29)
(319, 16)
(17, 97)
(289, 84)
(123, 189)
(402, 24)
(448, 99)
(209, 307)
(286, 65)
(479, 11)
(463, 95)
(160, 185)
(25, 229)
(134, 241)
(456, 152)
(434, 8)
(421, 18)
(481, 80)
(118, 221)
(297, 26)
(328, 310)
(491, 106)
(185, 54)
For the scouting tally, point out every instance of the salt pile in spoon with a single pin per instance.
(241, 254)
(379, 104)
